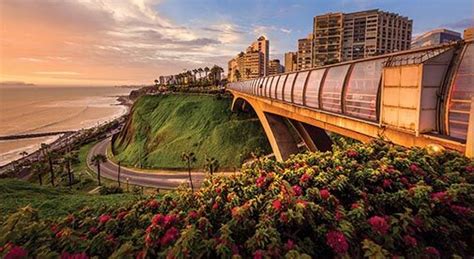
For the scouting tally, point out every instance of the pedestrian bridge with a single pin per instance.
(412, 98)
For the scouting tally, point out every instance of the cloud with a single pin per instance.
(460, 24)
(58, 73)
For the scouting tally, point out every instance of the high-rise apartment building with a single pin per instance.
(435, 37)
(348, 36)
(305, 53)
(275, 67)
(251, 64)
(290, 61)
(468, 33)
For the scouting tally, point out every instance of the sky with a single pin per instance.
(117, 42)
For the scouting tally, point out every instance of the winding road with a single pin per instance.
(159, 179)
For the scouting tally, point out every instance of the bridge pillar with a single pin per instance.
(278, 134)
(315, 138)
(470, 132)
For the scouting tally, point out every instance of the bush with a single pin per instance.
(374, 200)
(106, 190)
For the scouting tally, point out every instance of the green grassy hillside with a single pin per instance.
(53, 202)
(162, 127)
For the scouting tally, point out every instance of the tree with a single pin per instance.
(38, 168)
(200, 70)
(69, 158)
(211, 165)
(189, 158)
(23, 154)
(156, 82)
(97, 160)
(50, 156)
(195, 71)
(206, 69)
(118, 173)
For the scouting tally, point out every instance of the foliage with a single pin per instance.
(162, 127)
(365, 200)
(113, 189)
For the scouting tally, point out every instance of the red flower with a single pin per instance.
(170, 235)
(324, 194)
(404, 180)
(470, 169)
(218, 190)
(432, 251)
(121, 215)
(153, 204)
(337, 241)
(339, 215)
(416, 170)
(290, 245)
(215, 206)
(297, 190)
(258, 254)
(16, 252)
(157, 219)
(305, 177)
(355, 205)
(66, 255)
(379, 224)
(59, 234)
(169, 219)
(387, 183)
(352, 153)
(104, 218)
(193, 214)
(464, 211)
(260, 181)
(410, 241)
(439, 196)
(284, 217)
(93, 230)
(276, 205)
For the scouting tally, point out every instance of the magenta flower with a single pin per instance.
(170, 235)
(276, 205)
(290, 245)
(157, 219)
(104, 218)
(387, 183)
(305, 177)
(337, 241)
(352, 153)
(258, 254)
(66, 255)
(429, 250)
(260, 181)
(439, 196)
(297, 190)
(410, 241)
(16, 252)
(324, 194)
(168, 220)
(379, 224)
(464, 211)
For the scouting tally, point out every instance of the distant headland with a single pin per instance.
(15, 83)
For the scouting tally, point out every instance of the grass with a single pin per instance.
(162, 127)
(52, 202)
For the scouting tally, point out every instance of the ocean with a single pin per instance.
(36, 109)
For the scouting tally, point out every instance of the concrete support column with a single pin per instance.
(315, 138)
(278, 134)
(470, 132)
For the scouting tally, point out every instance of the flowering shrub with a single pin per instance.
(373, 200)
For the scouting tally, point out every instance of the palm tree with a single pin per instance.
(156, 82)
(206, 69)
(69, 158)
(189, 158)
(50, 156)
(23, 154)
(200, 70)
(38, 168)
(211, 165)
(97, 160)
(195, 71)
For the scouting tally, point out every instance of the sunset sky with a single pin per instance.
(111, 42)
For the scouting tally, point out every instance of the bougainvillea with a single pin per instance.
(374, 200)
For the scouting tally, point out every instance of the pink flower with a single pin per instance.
(258, 254)
(337, 241)
(218, 190)
(66, 255)
(464, 211)
(169, 219)
(276, 205)
(93, 230)
(170, 235)
(16, 252)
(410, 241)
(193, 214)
(290, 245)
(104, 218)
(379, 224)
(355, 205)
(439, 196)
(470, 169)
(297, 190)
(284, 217)
(157, 219)
(339, 215)
(121, 215)
(215, 206)
(387, 183)
(352, 153)
(324, 194)
(416, 170)
(305, 178)
(404, 180)
(153, 204)
(260, 181)
(429, 250)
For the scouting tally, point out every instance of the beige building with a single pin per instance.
(342, 37)
(275, 67)
(469, 33)
(305, 53)
(290, 61)
(251, 64)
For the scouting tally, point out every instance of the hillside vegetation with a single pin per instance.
(373, 200)
(161, 127)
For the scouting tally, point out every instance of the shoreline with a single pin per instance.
(12, 156)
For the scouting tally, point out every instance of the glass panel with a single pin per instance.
(312, 88)
(257, 86)
(462, 92)
(288, 87)
(361, 94)
(299, 87)
(279, 89)
(273, 86)
(332, 88)
(268, 86)
(261, 91)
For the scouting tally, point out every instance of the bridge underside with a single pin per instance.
(311, 126)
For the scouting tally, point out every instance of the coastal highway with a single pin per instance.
(159, 179)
